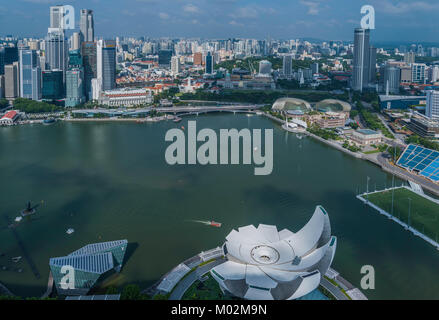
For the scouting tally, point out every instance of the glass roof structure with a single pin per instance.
(91, 264)
(421, 160)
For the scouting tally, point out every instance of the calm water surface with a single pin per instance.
(110, 181)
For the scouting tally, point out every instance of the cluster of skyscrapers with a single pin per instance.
(57, 69)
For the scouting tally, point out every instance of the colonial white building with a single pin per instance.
(125, 98)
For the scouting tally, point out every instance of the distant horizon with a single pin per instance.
(396, 21)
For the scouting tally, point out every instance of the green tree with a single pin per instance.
(131, 292)
(112, 290)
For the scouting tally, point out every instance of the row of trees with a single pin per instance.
(31, 106)
(415, 139)
(372, 121)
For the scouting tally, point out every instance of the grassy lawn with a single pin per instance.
(424, 214)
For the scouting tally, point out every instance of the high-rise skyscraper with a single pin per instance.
(165, 58)
(432, 109)
(30, 75)
(86, 25)
(75, 80)
(89, 57)
(106, 64)
(74, 87)
(175, 65)
(56, 49)
(419, 72)
(391, 79)
(53, 87)
(75, 41)
(372, 65)
(10, 55)
(2, 61)
(56, 17)
(409, 57)
(361, 62)
(209, 64)
(287, 66)
(2, 86)
(12, 83)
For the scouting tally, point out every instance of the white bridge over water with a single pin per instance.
(181, 110)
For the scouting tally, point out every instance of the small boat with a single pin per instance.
(70, 231)
(298, 136)
(16, 259)
(215, 224)
(49, 121)
(177, 119)
(18, 219)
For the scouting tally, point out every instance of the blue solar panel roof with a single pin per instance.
(422, 160)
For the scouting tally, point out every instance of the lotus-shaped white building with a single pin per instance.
(264, 264)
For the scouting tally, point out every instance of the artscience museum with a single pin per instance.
(266, 264)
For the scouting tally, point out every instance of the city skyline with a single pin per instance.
(325, 20)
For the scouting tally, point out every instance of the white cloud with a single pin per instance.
(313, 7)
(163, 15)
(190, 8)
(234, 23)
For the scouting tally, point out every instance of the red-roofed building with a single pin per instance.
(9, 118)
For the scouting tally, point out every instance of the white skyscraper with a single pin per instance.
(86, 25)
(56, 16)
(432, 110)
(175, 65)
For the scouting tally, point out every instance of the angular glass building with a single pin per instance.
(91, 264)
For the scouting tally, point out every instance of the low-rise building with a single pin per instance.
(366, 137)
(125, 98)
(424, 127)
(9, 118)
(332, 120)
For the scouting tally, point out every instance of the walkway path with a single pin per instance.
(336, 292)
(185, 284)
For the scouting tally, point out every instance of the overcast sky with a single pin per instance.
(396, 20)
